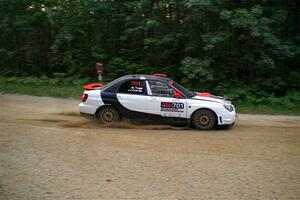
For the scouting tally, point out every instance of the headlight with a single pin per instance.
(228, 107)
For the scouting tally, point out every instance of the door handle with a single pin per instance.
(119, 96)
(153, 99)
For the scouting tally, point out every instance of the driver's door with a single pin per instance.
(161, 101)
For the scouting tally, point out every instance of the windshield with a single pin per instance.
(182, 89)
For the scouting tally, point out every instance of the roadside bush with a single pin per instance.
(246, 98)
(197, 72)
(44, 80)
(253, 95)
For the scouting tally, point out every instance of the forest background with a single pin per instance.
(247, 50)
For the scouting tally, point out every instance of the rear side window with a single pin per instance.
(133, 87)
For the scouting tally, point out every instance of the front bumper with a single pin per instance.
(227, 119)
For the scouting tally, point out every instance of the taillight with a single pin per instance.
(84, 97)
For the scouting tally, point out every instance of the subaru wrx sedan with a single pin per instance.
(156, 98)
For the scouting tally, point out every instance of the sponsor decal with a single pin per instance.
(171, 107)
(136, 83)
(139, 89)
(136, 87)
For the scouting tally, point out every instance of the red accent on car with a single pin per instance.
(205, 94)
(166, 104)
(160, 75)
(92, 86)
(177, 95)
(172, 86)
(136, 83)
(84, 97)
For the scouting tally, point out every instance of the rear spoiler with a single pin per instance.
(92, 86)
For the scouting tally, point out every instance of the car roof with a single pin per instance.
(144, 76)
(117, 82)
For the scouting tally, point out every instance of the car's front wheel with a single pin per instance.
(107, 115)
(203, 119)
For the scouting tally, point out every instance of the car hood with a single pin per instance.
(210, 97)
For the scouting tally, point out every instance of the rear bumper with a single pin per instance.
(86, 108)
(87, 111)
(89, 116)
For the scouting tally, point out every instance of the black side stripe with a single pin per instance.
(110, 98)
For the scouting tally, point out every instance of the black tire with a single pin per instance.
(108, 115)
(204, 119)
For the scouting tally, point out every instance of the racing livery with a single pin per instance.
(156, 98)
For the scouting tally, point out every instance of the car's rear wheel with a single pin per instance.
(204, 119)
(107, 115)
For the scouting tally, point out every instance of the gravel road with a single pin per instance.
(48, 151)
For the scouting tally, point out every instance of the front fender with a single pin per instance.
(223, 115)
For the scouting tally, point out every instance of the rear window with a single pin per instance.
(133, 87)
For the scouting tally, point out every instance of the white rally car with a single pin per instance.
(156, 98)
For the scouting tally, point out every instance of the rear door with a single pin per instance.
(161, 101)
(132, 95)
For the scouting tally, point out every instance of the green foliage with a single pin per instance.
(118, 67)
(251, 46)
(246, 100)
(43, 80)
(255, 96)
(60, 86)
(196, 72)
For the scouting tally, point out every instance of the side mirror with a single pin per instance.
(177, 95)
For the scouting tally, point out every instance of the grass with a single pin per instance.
(68, 88)
(45, 88)
(268, 109)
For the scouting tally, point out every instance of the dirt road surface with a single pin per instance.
(48, 151)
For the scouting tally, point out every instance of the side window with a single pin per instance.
(133, 87)
(161, 89)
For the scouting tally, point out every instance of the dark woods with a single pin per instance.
(252, 46)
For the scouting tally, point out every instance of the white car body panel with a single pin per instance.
(134, 102)
(93, 102)
(154, 106)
